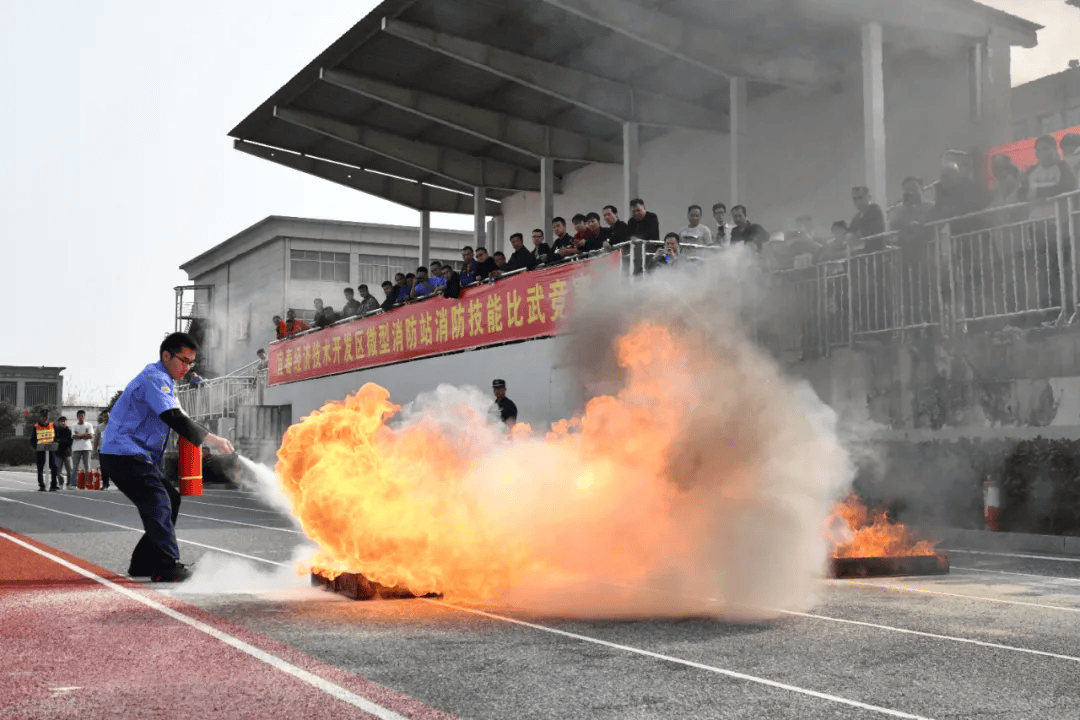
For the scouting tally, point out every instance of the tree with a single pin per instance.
(112, 401)
(9, 415)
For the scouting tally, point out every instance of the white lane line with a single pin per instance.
(1052, 558)
(128, 527)
(234, 507)
(1055, 578)
(328, 687)
(198, 517)
(19, 482)
(186, 499)
(890, 628)
(908, 588)
(688, 663)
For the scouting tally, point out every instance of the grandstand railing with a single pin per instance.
(1008, 264)
(1002, 264)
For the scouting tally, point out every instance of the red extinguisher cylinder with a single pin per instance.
(190, 467)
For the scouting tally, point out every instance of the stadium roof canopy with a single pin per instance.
(424, 101)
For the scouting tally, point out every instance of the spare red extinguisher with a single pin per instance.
(190, 468)
(81, 482)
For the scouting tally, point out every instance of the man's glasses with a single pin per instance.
(184, 361)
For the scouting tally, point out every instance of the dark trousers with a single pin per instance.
(41, 468)
(158, 503)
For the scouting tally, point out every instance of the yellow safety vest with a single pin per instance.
(45, 435)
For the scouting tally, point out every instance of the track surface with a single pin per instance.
(998, 638)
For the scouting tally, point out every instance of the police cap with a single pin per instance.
(496, 384)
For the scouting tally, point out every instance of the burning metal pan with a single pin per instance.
(358, 587)
(844, 567)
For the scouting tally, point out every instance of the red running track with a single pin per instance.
(80, 642)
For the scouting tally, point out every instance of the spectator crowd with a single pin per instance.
(871, 229)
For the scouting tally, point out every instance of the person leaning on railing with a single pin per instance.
(837, 247)
(291, 326)
(541, 251)
(957, 196)
(423, 286)
(485, 264)
(1048, 178)
(452, 287)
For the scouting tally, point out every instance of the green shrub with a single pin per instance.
(16, 451)
(1040, 486)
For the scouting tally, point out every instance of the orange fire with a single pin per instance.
(680, 479)
(856, 532)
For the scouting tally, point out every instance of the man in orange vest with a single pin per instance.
(44, 441)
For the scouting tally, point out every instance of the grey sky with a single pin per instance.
(117, 168)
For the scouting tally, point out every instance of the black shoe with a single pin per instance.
(41, 489)
(134, 571)
(53, 489)
(177, 573)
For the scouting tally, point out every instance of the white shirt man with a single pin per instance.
(83, 439)
(695, 232)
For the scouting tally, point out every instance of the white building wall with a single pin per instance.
(248, 295)
(802, 154)
(537, 381)
(252, 280)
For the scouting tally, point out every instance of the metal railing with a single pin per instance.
(220, 397)
(1005, 264)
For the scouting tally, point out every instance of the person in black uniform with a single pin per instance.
(503, 405)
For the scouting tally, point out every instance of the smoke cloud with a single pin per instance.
(701, 487)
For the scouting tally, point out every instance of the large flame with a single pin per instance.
(708, 477)
(857, 532)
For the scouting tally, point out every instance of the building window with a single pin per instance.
(40, 394)
(8, 392)
(376, 268)
(316, 265)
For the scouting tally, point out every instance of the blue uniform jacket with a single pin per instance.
(134, 426)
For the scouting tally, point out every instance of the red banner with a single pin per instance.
(521, 307)
(1022, 152)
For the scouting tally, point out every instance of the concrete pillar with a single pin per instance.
(874, 112)
(425, 237)
(736, 134)
(479, 216)
(631, 159)
(498, 230)
(547, 198)
(995, 118)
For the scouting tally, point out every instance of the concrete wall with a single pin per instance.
(537, 381)
(1003, 384)
(803, 153)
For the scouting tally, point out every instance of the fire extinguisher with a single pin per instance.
(190, 467)
(992, 505)
(81, 482)
(96, 485)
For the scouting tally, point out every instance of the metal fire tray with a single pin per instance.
(844, 567)
(358, 587)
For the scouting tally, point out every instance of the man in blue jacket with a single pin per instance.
(132, 448)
